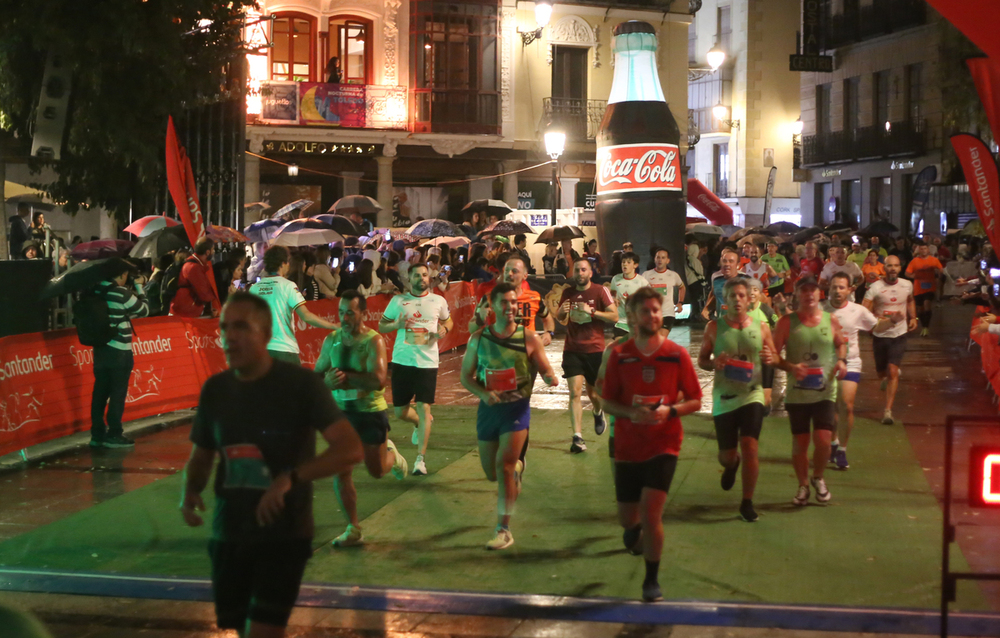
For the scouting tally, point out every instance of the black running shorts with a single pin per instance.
(410, 383)
(582, 364)
(655, 474)
(257, 580)
(767, 376)
(888, 350)
(372, 427)
(744, 421)
(921, 298)
(822, 415)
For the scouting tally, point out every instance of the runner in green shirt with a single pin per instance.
(780, 266)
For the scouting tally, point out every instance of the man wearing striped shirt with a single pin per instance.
(113, 362)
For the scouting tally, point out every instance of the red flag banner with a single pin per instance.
(180, 182)
(986, 75)
(976, 19)
(705, 201)
(984, 180)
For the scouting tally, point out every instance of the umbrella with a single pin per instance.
(82, 276)
(807, 233)
(150, 224)
(305, 232)
(728, 230)
(160, 243)
(360, 204)
(783, 228)
(489, 206)
(342, 225)
(506, 227)
(226, 235)
(256, 206)
(754, 238)
(880, 227)
(837, 226)
(704, 231)
(101, 249)
(453, 242)
(435, 228)
(974, 229)
(299, 204)
(559, 233)
(753, 230)
(262, 230)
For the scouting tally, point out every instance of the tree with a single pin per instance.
(133, 63)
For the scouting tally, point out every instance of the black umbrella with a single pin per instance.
(160, 243)
(807, 233)
(435, 228)
(880, 227)
(559, 233)
(784, 228)
(101, 249)
(488, 206)
(753, 230)
(82, 276)
(341, 224)
(506, 227)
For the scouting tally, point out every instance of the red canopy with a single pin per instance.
(705, 201)
(986, 74)
(977, 19)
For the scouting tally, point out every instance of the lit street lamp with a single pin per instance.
(715, 57)
(555, 144)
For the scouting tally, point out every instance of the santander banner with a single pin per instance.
(46, 378)
(984, 181)
(630, 168)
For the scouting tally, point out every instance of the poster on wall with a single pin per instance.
(279, 102)
(534, 195)
(411, 202)
(332, 104)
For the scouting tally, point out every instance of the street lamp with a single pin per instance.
(715, 57)
(721, 113)
(555, 144)
(543, 13)
(293, 170)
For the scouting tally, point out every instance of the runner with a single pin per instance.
(852, 317)
(499, 367)
(779, 264)
(757, 268)
(420, 319)
(816, 358)
(582, 307)
(891, 297)
(261, 417)
(731, 347)
(624, 285)
(641, 387)
(664, 281)
(812, 263)
(353, 364)
(765, 314)
(728, 268)
(924, 270)
(873, 270)
(838, 263)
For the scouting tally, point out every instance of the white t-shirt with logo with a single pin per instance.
(664, 283)
(623, 289)
(283, 297)
(417, 343)
(759, 272)
(887, 299)
(850, 268)
(852, 318)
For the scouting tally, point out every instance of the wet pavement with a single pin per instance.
(941, 376)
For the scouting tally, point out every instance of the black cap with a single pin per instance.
(806, 280)
(633, 26)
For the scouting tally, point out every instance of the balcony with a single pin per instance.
(706, 121)
(579, 118)
(858, 23)
(871, 142)
(333, 105)
(456, 111)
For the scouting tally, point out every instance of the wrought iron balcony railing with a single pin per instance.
(580, 118)
(899, 139)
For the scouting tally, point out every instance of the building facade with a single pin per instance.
(438, 103)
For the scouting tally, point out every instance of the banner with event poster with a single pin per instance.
(332, 104)
(46, 378)
(279, 102)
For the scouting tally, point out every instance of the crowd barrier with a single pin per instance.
(46, 377)
(989, 351)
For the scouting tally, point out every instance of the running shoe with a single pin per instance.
(887, 417)
(925, 332)
(841, 461)
(651, 593)
(600, 423)
(419, 468)
(632, 539)
(747, 512)
(729, 476)
(802, 496)
(117, 441)
(502, 540)
(94, 443)
(352, 537)
(822, 494)
(415, 437)
(400, 468)
(833, 452)
(578, 445)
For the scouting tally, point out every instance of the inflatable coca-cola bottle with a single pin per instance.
(639, 196)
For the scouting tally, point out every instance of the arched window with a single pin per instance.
(294, 54)
(351, 42)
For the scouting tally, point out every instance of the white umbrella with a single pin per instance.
(299, 204)
(355, 203)
(452, 242)
(305, 232)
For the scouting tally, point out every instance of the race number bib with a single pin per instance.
(417, 336)
(738, 371)
(501, 380)
(813, 380)
(926, 285)
(346, 395)
(579, 314)
(245, 468)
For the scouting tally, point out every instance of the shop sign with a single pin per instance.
(901, 166)
(319, 148)
(831, 172)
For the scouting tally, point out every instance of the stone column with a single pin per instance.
(480, 188)
(385, 190)
(510, 182)
(251, 188)
(352, 183)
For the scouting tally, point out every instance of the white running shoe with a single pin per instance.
(352, 537)
(802, 496)
(502, 540)
(887, 417)
(419, 468)
(415, 437)
(400, 468)
(822, 494)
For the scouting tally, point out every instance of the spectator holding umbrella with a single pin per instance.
(195, 290)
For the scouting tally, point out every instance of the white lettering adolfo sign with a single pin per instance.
(638, 167)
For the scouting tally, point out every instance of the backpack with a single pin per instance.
(92, 320)
(169, 286)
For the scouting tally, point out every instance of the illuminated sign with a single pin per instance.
(318, 148)
(984, 476)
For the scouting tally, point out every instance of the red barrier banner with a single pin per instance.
(46, 378)
(984, 180)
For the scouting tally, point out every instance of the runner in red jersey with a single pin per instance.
(644, 378)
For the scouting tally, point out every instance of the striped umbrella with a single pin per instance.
(150, 224)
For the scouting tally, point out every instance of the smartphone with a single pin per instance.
(446, 269)
(350, 266)
(336, 261)
(982, 265)
(461, 258)
(388, 236)
(995, 273)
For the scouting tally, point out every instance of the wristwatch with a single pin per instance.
(673, 412)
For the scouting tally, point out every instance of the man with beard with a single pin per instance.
(891, 297)
(716, 305)
(420, 319)
(757, 268)
(664, 280)
(583, 307)
(812, 263)
(644, 378)
(622, 286)
(500, 365)
(731, 347)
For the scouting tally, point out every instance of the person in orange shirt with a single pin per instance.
(872, 269)
(924, 270)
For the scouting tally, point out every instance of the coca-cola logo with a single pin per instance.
(638, 167)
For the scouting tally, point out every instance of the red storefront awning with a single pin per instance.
(708, 204)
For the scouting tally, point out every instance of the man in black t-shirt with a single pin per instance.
(261, 417)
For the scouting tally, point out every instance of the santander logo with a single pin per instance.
(638, 167)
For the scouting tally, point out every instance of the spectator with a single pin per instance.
(594, 257)
(551, 260)
(38, 227)
(328, 279)
(224, 272)
(153, 287)
(368, 282)
(171, 278)
(237, 282)
(333, 71)
(31, 250)
(521, 248)
(694, 272)
(296, 270)
(310, 287)
(196, 293)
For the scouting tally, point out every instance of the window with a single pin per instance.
(569, 72)
(822, 109)
(293, 55)
(850, 201)
(689, 158)
(720, 169)
(723, 28)
(851, 103)
(914, 91)
(880, 98)
(692, 43)
(822, 194)
(350, 41)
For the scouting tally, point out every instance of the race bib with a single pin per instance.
(417, 336)
(814, 380)
(926, 285)
(346, 395)
(578, 314)
(245, 467)
(501, 380)
(739, 371)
